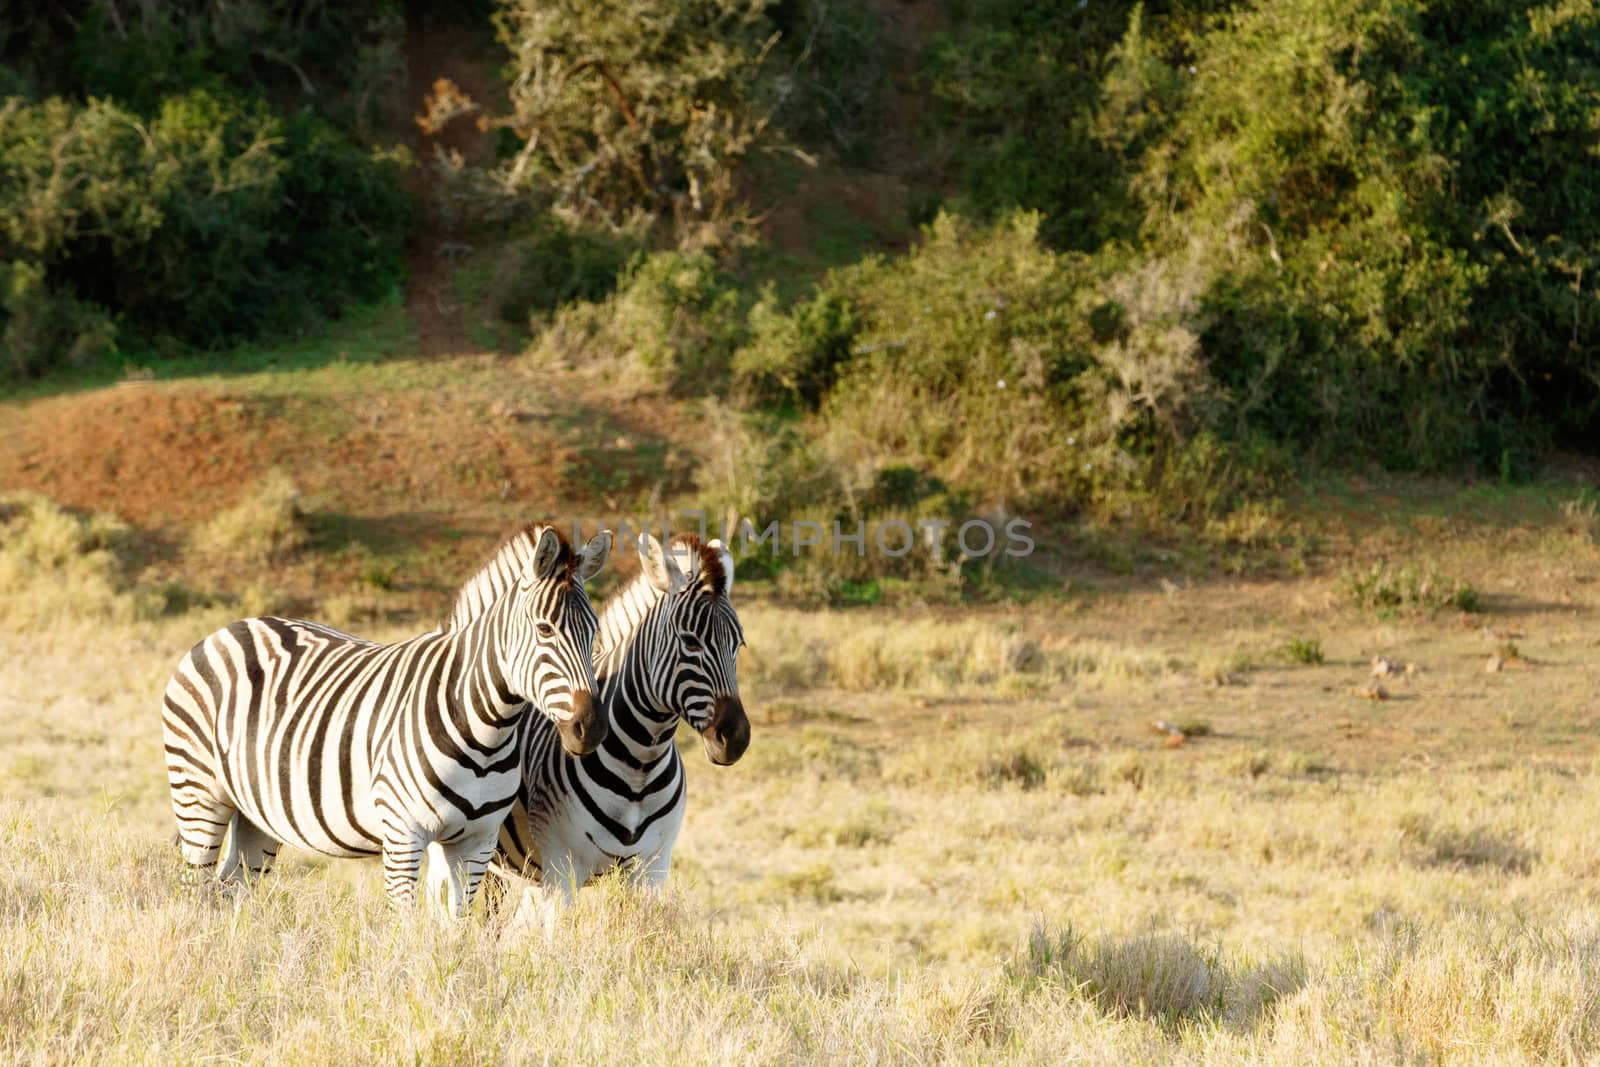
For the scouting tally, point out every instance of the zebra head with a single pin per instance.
(699, 639)
(551, 635)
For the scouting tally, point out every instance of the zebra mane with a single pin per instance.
(625, 609)
(711, 574)
(502, 572)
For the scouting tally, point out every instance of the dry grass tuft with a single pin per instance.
(1444, 844)
(1159, 976)
(267, 526)
(56, 565)
(793, 650)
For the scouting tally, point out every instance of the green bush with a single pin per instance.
(637, 114)
(1294, 155)
(1404, 208)
(1018, 102)
(211, 220)
(999, 366)
(837, 82)
(340, 59)
(44, 327)
(793, 356)
(1392, 204)
(1388, 590)
(1304, 650)
(674, 322)
(552, 266)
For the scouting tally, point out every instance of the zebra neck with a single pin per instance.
(635, 678)
(476, 696)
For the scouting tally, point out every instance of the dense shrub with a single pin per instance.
(833, 83)
(341, 59)
(1393, 204)
(1296, 161)
(994, 363)
(639, 113)
(1020, 116)
(673, 323)
(515, 289)
(189, 171)
(208, 221)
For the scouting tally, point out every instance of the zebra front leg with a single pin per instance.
(203, 821)
(250, 854)
(402, 859)
(462, 864)
(651, 874)
(539, 908)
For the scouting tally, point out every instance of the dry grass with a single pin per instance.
(55, 564)
(862, 652)
(263, 528)
(952, 840)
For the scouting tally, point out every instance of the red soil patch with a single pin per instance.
(168, 457)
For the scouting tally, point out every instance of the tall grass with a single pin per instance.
(105, 957)
(55, 564)
(797, 650)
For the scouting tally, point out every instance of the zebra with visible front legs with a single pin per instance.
(667, 652)
(291, 731)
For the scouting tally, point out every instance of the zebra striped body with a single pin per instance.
(667, 652)
(293, 732)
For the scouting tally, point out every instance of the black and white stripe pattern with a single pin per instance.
(667, 652)
(294, 732)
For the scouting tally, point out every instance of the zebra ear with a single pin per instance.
(547, 554)
(726, 558)
(659, 565)
(593, 556)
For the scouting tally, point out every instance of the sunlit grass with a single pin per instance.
(955, 838)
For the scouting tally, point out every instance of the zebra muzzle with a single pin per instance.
(727, 735)
(582, 734)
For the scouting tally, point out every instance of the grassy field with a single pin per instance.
(956, 836)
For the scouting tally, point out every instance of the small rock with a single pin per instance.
(504, 409)
(1372, 691)
(1497, 662)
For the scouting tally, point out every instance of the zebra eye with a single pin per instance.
(546, 631)
(691, 642)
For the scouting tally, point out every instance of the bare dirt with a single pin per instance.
(473, 445)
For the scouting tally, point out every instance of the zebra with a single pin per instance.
(667, 652)
(291, 731)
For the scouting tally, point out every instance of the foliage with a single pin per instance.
(340, 59)
(993, 363)
(1294, 149)
(637, 114)
(265, 527)
(1305, 650)
(1388, 589)
(56, 565)
(152, 187)
(834, 91)
(210, 221)
(1393, 202)
(552, 266)
(673, 322)
(1015, 86)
